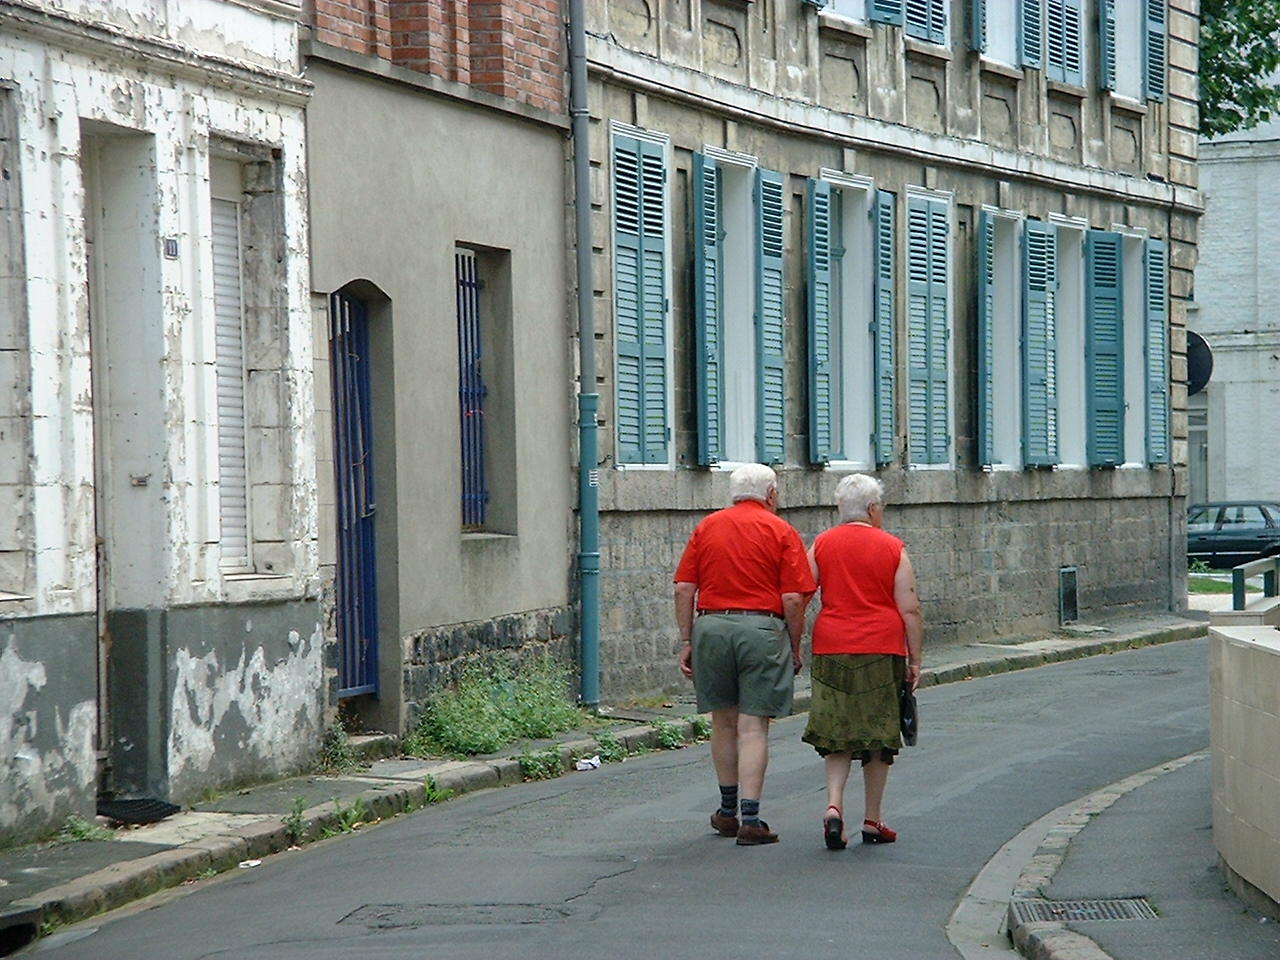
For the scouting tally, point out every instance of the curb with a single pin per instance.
(131, 880)
(1052, 940)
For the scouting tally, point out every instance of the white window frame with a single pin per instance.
(1073, 391)
(1131, 32)
(619, 129)
(737, 213)
(1006, 354)
(1133, 302)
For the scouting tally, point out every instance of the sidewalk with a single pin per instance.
(42, 887)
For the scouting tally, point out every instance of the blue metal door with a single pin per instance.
(357, 594)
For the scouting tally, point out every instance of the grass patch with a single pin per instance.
(434, 793)
(492, 706)
(1202, 584)
(337, 755)
(80, 830)
(294, 823)
(612, 750)
(670, 734)
(545, 764)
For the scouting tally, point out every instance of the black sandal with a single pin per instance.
(833, 830)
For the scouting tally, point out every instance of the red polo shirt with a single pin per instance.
(744, 558)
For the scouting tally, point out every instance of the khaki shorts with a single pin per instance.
(743, 661)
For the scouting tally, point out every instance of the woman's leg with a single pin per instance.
(875, 774)
(837, 768)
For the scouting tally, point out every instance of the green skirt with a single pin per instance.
(855, 704)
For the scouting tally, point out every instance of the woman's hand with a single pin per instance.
(913, 675)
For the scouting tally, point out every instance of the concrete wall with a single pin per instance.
(404, 169)
(1238, 298)
(1244, 715)
(111, 118)
(802, 92)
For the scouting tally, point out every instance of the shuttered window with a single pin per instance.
(1107, 44)
(1065, 43)
(640, 302)
(707, 273)
(1104, 347)
(233, 485)
(883, 327)
(1040, 345)
(770, 282)
(927, 333)
(1156, 322)
(927, 20)
(822, 308)
(1031, 32)
(886, 11)
(1155, 48)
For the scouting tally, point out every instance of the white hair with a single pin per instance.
(752, 481)
(855, 494)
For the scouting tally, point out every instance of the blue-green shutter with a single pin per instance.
(1156, 287)
(986, 335)
(824, 367)
(1107, 44)
(927, 394)
(885, 11)
(1155, 47)
(770, 291)
(1031, 32)
(640, 306)
(882, 328)
(1104, 346)
(978, 25)
(708, 273)
(1064, 47)
(1039, 344)
(926, 20)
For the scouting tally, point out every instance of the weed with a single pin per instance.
(434, 793)
(612, 750)
(545, 764)
(701, 726)
(348, 817)
(338, 756)
(490, 706)
(670, 735)
(1197, 566)
(294, 823)
(78, 829)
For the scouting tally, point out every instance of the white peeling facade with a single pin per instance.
(159, 617)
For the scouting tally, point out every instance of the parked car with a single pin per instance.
(1229, 533)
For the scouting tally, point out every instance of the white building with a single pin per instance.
(155, 344)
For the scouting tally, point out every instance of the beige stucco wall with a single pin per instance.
(402, 173)
(1244, 730)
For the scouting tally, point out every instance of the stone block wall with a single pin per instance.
(1244, 728)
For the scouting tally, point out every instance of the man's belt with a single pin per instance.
(743, 613)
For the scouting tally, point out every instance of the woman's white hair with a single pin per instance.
(753, 481)
(855, 494)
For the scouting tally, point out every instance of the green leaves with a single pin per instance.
(1239, 53)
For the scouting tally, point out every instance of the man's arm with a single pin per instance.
(793, 607)
(685, 594)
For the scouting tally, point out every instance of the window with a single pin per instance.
(1069, 323)
(849, 9)
(1000, 311)
(1064, 44)
(928, 330)
(850, 360)
(228, 311)
(640, 300)
(738, 293)
(990, 33)
(486, 389)
(923, 19)
(1133, 47)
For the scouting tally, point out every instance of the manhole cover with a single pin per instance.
(385, 916)
(1066, 911)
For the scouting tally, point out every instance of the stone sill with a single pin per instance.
(987, 65)
(838, 24)
(1121, 104)
(932, 51)
(1066, 89)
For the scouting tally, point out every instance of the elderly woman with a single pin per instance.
(866, 644)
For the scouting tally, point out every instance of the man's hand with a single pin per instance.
(686, 659)
(795, 659)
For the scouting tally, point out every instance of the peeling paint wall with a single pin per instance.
(124, 106)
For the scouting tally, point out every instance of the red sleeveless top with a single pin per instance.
(856, 568)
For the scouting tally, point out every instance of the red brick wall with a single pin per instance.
(510, 48)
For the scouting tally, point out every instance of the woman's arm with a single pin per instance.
(904, 595)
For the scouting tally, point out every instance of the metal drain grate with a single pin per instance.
(1064, 911)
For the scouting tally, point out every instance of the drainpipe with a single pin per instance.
(588, 399)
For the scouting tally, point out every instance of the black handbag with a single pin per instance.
(909, 715)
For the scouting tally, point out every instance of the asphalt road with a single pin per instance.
(621, 862)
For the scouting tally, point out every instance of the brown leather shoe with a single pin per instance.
(754, 836)
(725, 826)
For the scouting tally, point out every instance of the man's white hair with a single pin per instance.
(752, 481)
(855, 494)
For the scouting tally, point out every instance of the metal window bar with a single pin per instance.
(357, 609)
(471, 391)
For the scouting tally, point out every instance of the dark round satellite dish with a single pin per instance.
(1199, 363)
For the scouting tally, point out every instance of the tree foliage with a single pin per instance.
(1239, 54)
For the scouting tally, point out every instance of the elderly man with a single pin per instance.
(745, 574)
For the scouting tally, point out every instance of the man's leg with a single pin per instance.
(724, 745)
(753, 754)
